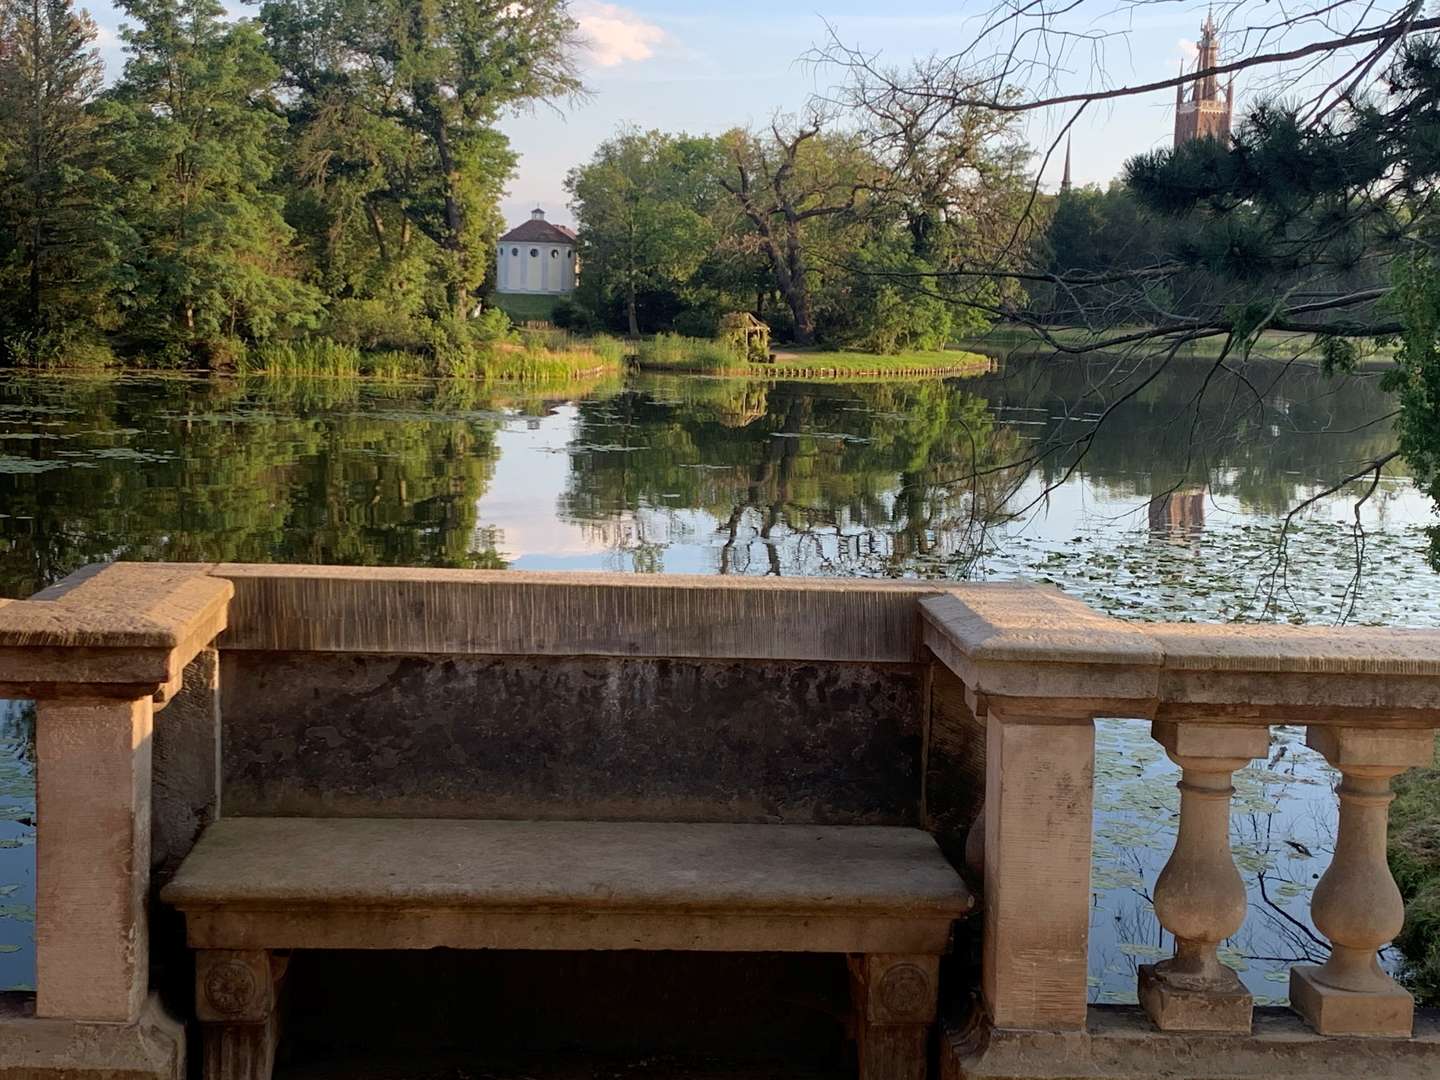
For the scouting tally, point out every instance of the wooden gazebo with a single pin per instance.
(746, 336)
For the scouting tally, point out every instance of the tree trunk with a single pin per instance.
(456, 291)
(798, 293)
(377, 226)
(630, 310)
(794, 289)
(37, 160)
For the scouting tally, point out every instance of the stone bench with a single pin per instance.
(255, 888)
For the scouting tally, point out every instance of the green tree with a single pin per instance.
(52, 183)
(644, 205)
(798, 187)
(1325, 229)
(196, 142)
(395, 106)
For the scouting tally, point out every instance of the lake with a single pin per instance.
(1152, 493)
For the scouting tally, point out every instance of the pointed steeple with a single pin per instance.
(1065, 179)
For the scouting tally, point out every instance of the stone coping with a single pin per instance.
(114, 629)
(118, 630)
(1040, 652)
(512, 613)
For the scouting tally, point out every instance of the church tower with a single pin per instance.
(1205, 114)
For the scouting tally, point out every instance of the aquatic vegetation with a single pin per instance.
(311, 357)
(674, 352)
(1415, 862)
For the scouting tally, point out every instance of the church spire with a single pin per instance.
(1205, 111)
(1065, 179)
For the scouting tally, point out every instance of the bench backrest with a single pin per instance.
(459, 694)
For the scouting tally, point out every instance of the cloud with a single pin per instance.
(615, 35)
(1188, 49)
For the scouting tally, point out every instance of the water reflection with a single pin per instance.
(965, 477)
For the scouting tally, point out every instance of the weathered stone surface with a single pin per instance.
(587, 864)
(1173, 1006)
(185, 765)
(1199, 896)
(1331, 1011)
(123, 630)
(954, 764)
(470, 612)
(532, 737)
(1119, 1043)
(92, 859)
(1039, 786)
(1371, 650)
(275, 883)
(1026, 641)
(31, 1048)
(1371, 676)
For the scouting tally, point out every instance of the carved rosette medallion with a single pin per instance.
(230, 988)
(905, 992)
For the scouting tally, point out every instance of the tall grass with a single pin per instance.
(543, 356)
(311, 357)
(685, 353)
(610, 349)
(540, 365)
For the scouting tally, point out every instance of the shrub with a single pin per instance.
(1415, 862)
(373, 325)
(450, 348)
(697, 322)
(492, 324)
(568, 315)
(65, 348)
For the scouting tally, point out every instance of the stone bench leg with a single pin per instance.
(235, 997)
(896, 999)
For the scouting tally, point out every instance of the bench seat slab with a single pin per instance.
(284, 883)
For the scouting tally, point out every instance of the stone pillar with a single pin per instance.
(1039, 791)
(92, 858)
(1357, 904)
(1199, 896)
(896, 999)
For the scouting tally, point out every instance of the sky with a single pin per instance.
(704, 66)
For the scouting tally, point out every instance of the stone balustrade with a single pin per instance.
(968, 709)
(1039, 668)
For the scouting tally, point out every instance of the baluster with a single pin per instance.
(1199, 896)
(1357, 904)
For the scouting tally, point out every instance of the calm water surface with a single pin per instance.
(1163, 511)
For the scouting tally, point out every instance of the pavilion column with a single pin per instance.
(1039, 791)
(1199, 896)
(92, 858)
(1357, 904)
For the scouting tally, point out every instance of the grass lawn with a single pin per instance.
(845, 362)
(688, 355)
(1273, 344)
(523, 309)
